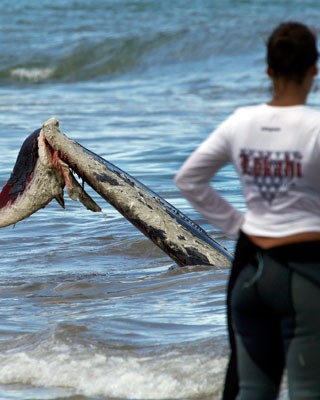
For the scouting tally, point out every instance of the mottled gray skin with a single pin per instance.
(179, 237)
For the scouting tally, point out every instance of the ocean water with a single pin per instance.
(90, 309)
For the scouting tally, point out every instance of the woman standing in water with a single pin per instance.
(274, 288)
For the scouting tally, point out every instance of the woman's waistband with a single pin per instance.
(308, 251)
(301, 257)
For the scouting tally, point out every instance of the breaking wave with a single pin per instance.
(93, 371)
(32, 74)
(110, 57)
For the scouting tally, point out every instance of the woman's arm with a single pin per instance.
(193, 180)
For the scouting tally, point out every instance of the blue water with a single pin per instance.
(89, 307)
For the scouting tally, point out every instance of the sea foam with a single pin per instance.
(32, 74)
(89, 372)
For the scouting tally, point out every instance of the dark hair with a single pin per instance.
(291, 50)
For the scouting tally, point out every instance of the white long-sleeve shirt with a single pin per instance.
(276, 152)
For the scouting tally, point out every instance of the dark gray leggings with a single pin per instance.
(276, 318)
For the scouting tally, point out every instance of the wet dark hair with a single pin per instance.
(291, 51)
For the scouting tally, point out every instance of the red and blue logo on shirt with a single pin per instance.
(271, 172)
